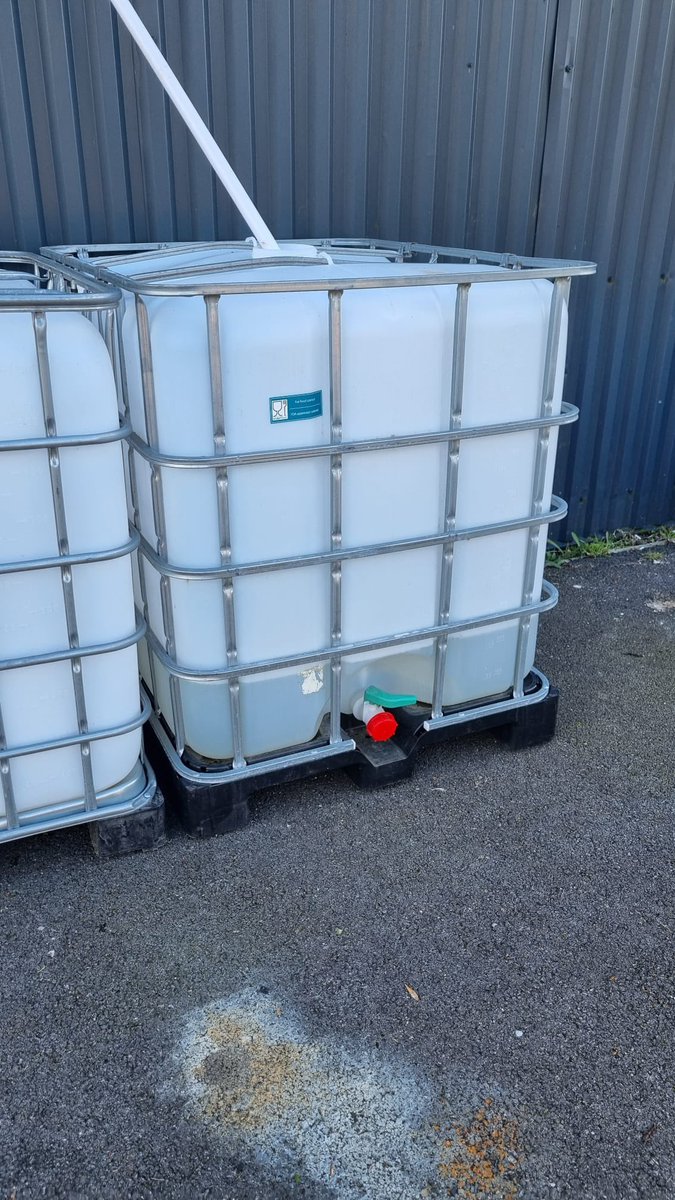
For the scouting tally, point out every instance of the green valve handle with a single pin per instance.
(375, 695)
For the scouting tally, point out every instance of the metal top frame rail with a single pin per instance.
(157, 281)
(86, 295)
(128, 251)
(158, 285)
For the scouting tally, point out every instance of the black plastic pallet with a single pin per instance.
(216, 805)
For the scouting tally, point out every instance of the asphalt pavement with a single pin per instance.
(462, 986)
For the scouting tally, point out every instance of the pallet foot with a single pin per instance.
(533, 725)
(208, 809)
(205, 808)
(141, 830)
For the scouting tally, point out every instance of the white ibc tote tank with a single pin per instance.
(247, 373)
(70, 711)
(396, 363)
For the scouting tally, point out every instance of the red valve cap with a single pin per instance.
(382, 726)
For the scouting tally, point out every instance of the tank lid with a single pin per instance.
(288, 250)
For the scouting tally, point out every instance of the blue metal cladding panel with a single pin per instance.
(536, 126)
(607, 193)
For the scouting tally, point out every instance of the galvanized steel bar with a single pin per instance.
(54, 301)
(83, 739)
(54, 656)
(405, 250)
(140, 558)
(98, 296)
(315, 754)
(224, 533)
(559, 299)
(88, 258)
(119, 362)
(73, 439)
(567, 416)
(335, 349)
(109, 336)
(73, 560)
(556, 513)
(451, 480)
(157, 493)
(492, 708)
(424, 633)
(11, 816)
(41, 348)
(174, 683)
(215, 267)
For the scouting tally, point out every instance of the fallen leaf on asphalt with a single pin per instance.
(411, 992)
(647, 1134)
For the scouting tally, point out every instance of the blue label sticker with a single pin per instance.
(303, 407)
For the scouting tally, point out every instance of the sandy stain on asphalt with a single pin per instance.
(249, 1081)
(360, 1124)
(482, 1154)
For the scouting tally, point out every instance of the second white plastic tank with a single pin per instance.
(75, 398)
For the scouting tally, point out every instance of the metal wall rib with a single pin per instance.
(537, 126)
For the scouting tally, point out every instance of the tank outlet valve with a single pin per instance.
(370, 708)
(380, 725)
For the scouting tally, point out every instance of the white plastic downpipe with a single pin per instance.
(205, 140)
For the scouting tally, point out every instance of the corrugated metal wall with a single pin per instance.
(607, 190)
(537, 126)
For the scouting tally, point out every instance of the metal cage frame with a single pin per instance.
(183, 281)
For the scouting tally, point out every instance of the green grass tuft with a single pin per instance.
(601, 546)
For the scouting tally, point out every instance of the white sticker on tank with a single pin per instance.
(312, 681)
